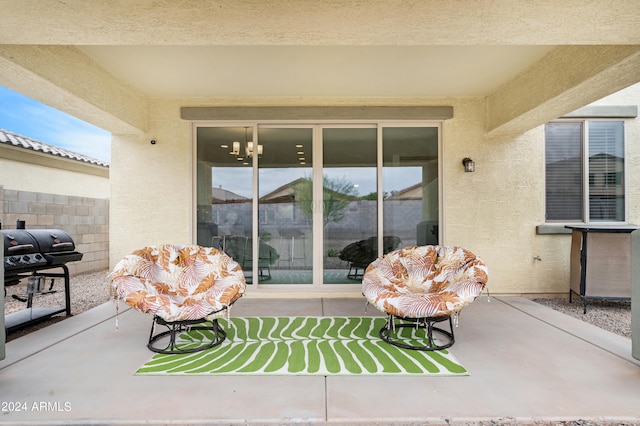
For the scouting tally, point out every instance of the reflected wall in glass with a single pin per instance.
(224, 193)
(285, 204)
(410, 185)
(280, 190)
(349, 203)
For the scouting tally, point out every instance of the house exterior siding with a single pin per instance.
(494, 212)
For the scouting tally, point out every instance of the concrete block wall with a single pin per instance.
(85, 219)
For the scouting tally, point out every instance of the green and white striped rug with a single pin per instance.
(304, 346)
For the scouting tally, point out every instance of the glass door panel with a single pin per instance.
(224, 193)
(410, 186)
(285, 205)
(349, 203)
(260, 196)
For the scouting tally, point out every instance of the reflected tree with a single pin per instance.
(337, 194)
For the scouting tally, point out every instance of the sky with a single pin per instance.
(27, 117)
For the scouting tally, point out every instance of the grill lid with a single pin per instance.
(19, 241)
(28, 250)
(52, 240)
(21, 251)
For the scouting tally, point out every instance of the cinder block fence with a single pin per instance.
(85, 219)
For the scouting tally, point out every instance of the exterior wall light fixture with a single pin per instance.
(469, 165)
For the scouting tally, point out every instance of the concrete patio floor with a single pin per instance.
(528, 365)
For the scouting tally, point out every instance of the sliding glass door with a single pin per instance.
(225, 192)
(285, 204)
(410, 186)
(315, 204)
(349, 202)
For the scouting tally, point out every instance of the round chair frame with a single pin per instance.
(177, 327)
(388, 334)
(205, 280)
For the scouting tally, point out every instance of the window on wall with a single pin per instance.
(585, 174)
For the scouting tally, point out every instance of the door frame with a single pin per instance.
(317, 287)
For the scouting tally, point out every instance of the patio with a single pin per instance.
(527, 364)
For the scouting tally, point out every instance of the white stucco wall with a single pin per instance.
(151, 184)
(493, 212)
(23, 176)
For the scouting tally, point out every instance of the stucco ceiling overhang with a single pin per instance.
(395, 49)
(325, 71)
(319, 22)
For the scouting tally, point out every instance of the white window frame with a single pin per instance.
(585, 173)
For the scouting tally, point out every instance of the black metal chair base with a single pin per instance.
(177, 327)
(446, 338)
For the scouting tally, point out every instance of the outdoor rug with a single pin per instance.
(304, 346)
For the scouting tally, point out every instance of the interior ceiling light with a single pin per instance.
(236, 148)
(248, 147)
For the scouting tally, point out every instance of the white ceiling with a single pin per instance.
(324, 48)
(323, 71)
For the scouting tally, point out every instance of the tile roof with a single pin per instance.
(14, 139)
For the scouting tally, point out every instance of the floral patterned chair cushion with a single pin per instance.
(424, 283)
(176, 282)
(180, 285)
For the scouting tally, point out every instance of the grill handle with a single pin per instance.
(67, 244)
(20, 247)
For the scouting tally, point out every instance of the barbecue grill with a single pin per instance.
(31, 254)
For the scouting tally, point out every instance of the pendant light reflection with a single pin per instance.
(248, 149)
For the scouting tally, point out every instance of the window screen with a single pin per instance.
(567, 179)
(564, 187)
(606, 163)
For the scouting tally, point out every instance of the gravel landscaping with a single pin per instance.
(611, 315)
(90, 290)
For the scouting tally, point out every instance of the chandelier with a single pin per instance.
(247, 147)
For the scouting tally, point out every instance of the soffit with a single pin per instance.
(325, 71)
(325, 48)
(320, 22)
(366, 50)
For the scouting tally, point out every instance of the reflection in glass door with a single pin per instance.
(316, 218)
(285, 204)
(225, 192)
(349, 203)
(410, 185)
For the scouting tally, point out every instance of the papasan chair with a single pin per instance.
(422, 286)
(184, 287)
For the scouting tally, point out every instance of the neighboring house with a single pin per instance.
(387, 95)
(50, 187)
